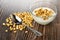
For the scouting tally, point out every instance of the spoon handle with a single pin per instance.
(35, 31)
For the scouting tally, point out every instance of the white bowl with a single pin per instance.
(43, 4)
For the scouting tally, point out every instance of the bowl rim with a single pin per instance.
(55, 7)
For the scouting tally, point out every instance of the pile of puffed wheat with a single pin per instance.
(26, 18)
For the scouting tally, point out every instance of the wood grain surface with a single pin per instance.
(50, 31)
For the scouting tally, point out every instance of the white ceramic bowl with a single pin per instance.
(43, 4)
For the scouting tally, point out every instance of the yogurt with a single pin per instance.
(40, 20)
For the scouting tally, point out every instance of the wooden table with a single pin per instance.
(50, 31)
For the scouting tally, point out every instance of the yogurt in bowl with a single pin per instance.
(43, 12)
(43, 15)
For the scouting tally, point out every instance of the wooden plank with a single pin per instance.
(50, 31)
